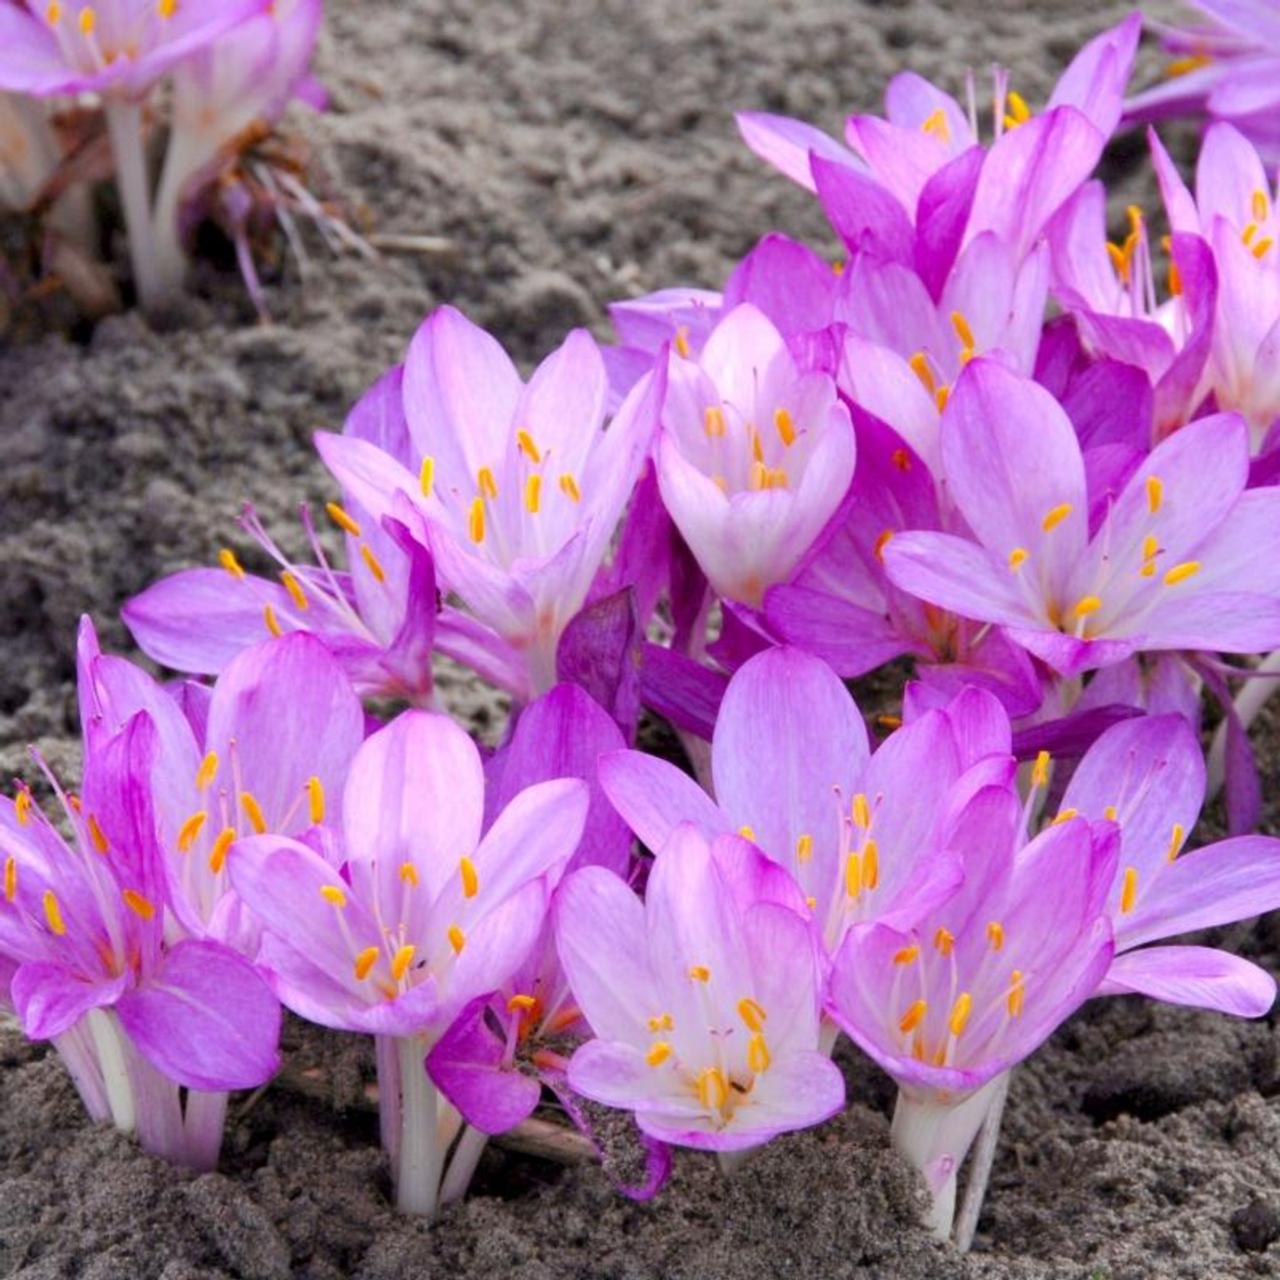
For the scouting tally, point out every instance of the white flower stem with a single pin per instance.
(984, 1155)
(203, 1120)
(462, 1164)
(114, 1064)
(420, 1161)
(124, 126)
(187, 154)
(1248, 703)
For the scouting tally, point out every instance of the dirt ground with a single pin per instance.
(566, 153)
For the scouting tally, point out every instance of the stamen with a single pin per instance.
(141, 907)
(944, 941)
(1017, 992)
(1181, 572)
(936, 124)
(1018, 557)
(920, 367)
(365, 962)
(1055, 517)
(861, 810)
(1087, 605)
(658, 1053)
(427, 476)
(1260, 206)
(54, 13)
(961, 325)
(1110, 813)
(409, 875)
(10, 878)
(881, 542)
(315, 800)
(1249, 232)
(372, 562)
(53, 913)
(294, 588)
(533, 494)
(227, 559)
(342, 519)
(852, 876)
(804, 848)
(1065, 815)
(941, 397)
(487, 485)
(470, 878)
(1040, 770)
(785, 425)
(995, 935)
(751, 1013)
(334, 896)
(1155, 493)
(1175, 841)
(22, 807)
(96, 834)
(218, 854)
(682, 341)
(88, 20)
(1018, 108)
(526, 445)
(253, 811)
(908, 955)
(273, 623)
(475, 521)
(402, 959)
(190, 830)
(167, 8)
(757, 1054)
(663, 1022)
(757, 447)
(1119, 260)
(1184, 66)
(1175, 280)
(870, 865)
(569, 487)
(712, 1089)
(1128, 890)
(207, 772)
(522, 1004)
(747, 833)
(913, 1017)
(960, 1012)
(713, 420)
(1261, 248)
(700, 973)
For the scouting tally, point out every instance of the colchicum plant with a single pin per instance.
(1032, 459)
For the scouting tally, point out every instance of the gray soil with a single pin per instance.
(568, 153)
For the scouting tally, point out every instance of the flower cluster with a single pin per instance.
(1068, 525)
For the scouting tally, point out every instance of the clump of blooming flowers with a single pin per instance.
(1071, 526)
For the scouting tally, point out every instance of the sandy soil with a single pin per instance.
(569, 153)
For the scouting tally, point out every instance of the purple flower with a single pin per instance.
(1182, 558)
(754, 456)
(83, 936)
(517, 489)
(860, 836)
(704, 999)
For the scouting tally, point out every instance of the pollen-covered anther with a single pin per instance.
(1128, 890)
(747, 833)
(227, 559)
(1181, 572)
(365, 961)
(995, 935)
(661, 1022)
(785, 426)
(1087, 605)
(870, 865)
(1018, 557)
(427, 476)
(141, 907)
(920, 367)
(522, 1004)
(1017, 992)
(53, 14)
(944, 941)
(475, 520)
(402, 959)
(408, 874)
(569, 487)
(861, 810)
(1064, 815)
(1175, 842)
(699, 973)
(372, 563)
(253, 811)
(457, 939)
(97, 837)
(342, 519)
(751, 1013)
(218, 854)
(22, 807)
(967, 341)
(907, 955)
(1056, 516)
(758, 1054)
(334, 895)
(485, 482)
(713, 1091)
(10, 878)
(1018, 109)
(53, 913)
(1263, 247)
(526, 444)
(682, 342)
(853, 876)
(1155, 494)
(315, 800)
(935, 124)
(941, 397)
(804, 848)
(713, 421)
(658, 1053)
(272, 622)
(291, 584)
(167, 8)
(470, 878)
(913, 1016)
(886, 536)
(960, 1012)
(1110, 813)
(207, 772)
(190, 830)
(533, 494)
(1040, 770)
(88, 20)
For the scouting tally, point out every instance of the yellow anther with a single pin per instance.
(837, 267)
(333, 895)
(810, 901)
(294, 588)
(1251, 230)
(342, 519)
(1150, 548)
(1110, 813)
(88, 21)
(97, 836)
(190, 830)
(1260, 206)
(901, 459)
(1175, 280)
(961, 325)
(475, 521)
(757, 1054)
(907, 955)
(403, 958)
(870, 865)
(786, 426)
(54, 13)
(533, 494)
(273, 623)
(207, 772)
(935, 123)
(1040, 770)
(699, 973)
(1134, 213)
(751, 1014)
(427, 476)
(941, 397)
(141, 907)
(365, 962)
(253, 811)
(227, 559)
(920, 367)
(372, 563)
(995, 935)
(569, 487)
(757, 447)
(1055, 517)
(53, 913)
(804, 848)
(944, 941)
(470, 878)
(457, 939)
(1018, 108)
(1087, 605)
(661, 1022)
(1175, 841)
(747, 833)
(522, 1004)
(913, 1017)
(315, 800)
(22, 807)
(1261, 249)
(712, 1089)
(1064, 815)
(10, 878)
(852, 876)
(1119, 260)
(658, 1053)
(1017, 992)
(1181, 572)
(882, 541)
(1128, 890)
(861, 810)
(1155, 493)
(960, 1012)
(485, 482)
(526, 445)
(167, 8)
(218, 854)
(408, 874)
(1018, 557)
(682, 342)
(1184, 66)
(713, 420)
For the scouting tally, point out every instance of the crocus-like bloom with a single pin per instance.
(267, 749)
(423, 916)
(862, 835)
(1148, 776)
(517, 488)
(82, 938)
(977, 983)
(1183, 558)
(754, 456)
(704, 999)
